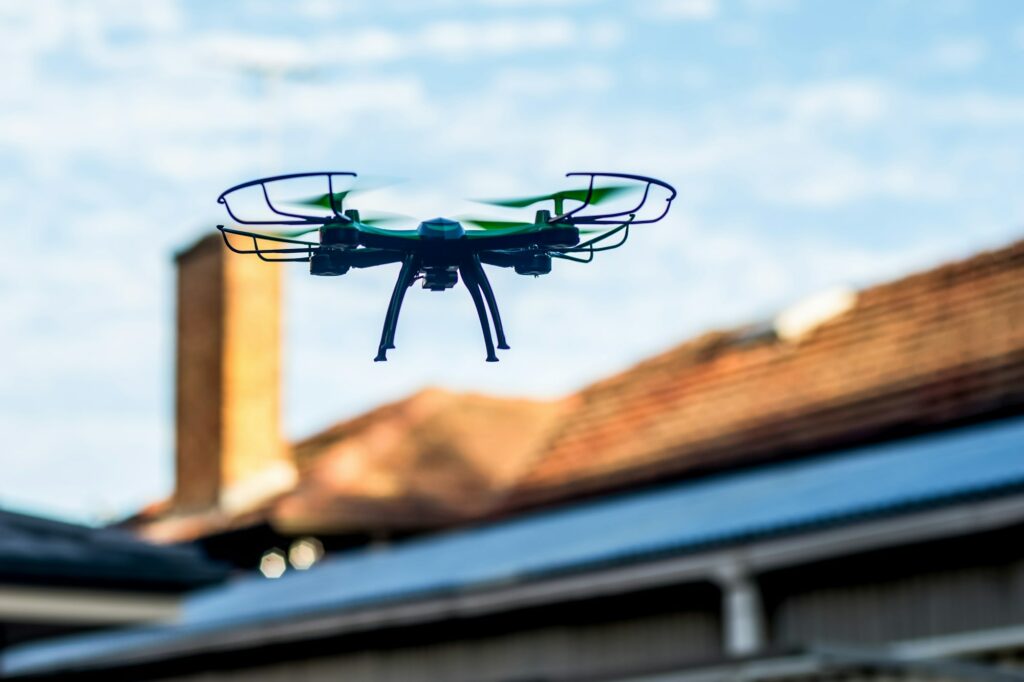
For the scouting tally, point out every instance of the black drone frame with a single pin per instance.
(440, 262)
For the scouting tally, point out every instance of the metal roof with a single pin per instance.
(49, 552)
(683, 517)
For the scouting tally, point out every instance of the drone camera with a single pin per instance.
(440, 278)
(326, 263)
(534, 264)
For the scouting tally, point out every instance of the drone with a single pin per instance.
(440, 251)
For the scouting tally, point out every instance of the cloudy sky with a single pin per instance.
(813, 144)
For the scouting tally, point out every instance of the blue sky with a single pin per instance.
(813, 144)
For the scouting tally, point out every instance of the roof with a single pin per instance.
(935, 348)
(684, 517)
(431, 459)
(932, 350)
(44, 551)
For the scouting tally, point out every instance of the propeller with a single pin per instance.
(369, 219)
(493, 224)
(597, 195)
(335, 200)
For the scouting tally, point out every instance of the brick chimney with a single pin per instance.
(229, 450)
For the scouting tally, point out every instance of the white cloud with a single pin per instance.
(266, 54)
(976, 108)
(846, 102)
(958, 54)
(763, 6)
(546, 82)
(323, 10)
(450, 39)
(539, 3)
(372, 45)
(602, 35)
(827, 179)
(685, 10)
(462, 39)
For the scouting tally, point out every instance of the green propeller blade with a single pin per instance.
(362, 184)
(597, 195)
(370, 220)
(381, 218)
(491, 224)
(292, 234)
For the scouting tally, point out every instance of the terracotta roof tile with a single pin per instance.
(428, 460)
(932, 348)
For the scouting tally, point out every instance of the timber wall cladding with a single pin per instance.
(650, 642)
(940, 603)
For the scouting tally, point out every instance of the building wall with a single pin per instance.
(936, 603)
(544, 653)
(916, 592)
(959, 586)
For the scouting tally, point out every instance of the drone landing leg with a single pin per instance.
(405, 280)
(387, 336)
(492, 303)
(473, 285)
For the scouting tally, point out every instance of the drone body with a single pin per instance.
(440, 251)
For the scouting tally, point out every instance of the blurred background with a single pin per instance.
(812, 145)
(838, 275)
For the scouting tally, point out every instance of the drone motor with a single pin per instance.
(533, 263)
(328, 263)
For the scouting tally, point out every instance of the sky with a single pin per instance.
(813, 144)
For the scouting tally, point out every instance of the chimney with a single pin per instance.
(229, 451)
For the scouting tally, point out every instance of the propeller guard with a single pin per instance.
(578, 216)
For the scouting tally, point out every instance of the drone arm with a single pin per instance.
(368, 258)
(554, 236)
(558, 254)
(473, 285)
(589, 248)
(492, 303)
(498, 258)
(405, 277)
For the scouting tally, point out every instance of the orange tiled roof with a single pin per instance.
(936, 347)
(428, 460)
